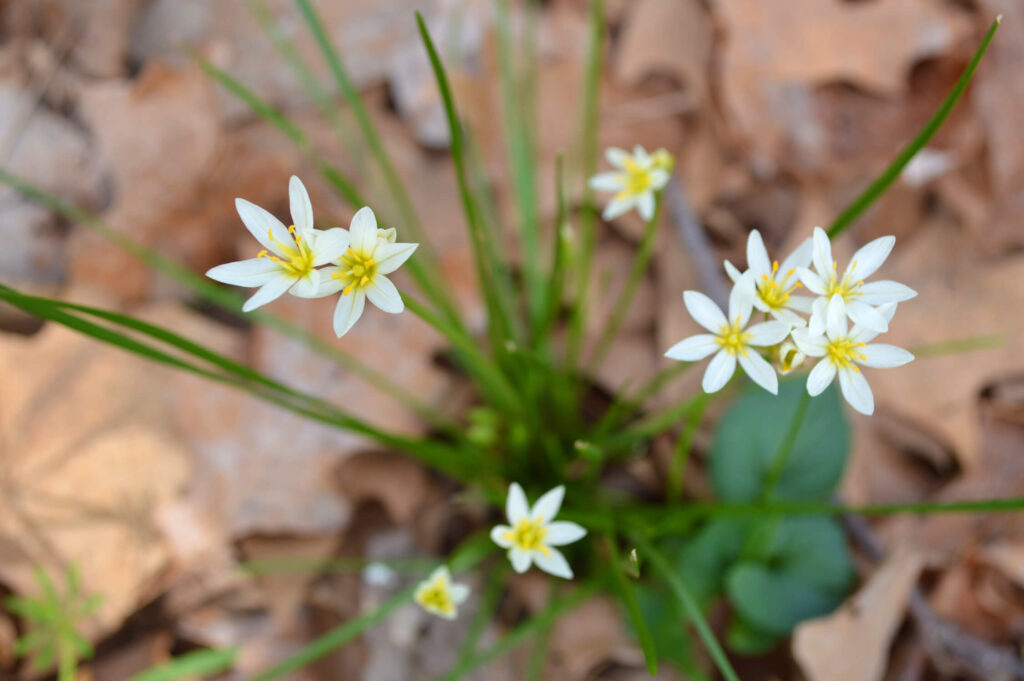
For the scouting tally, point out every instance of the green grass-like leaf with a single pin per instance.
(198, 664)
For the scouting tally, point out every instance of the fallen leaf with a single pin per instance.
(777, 51)
(852, 644)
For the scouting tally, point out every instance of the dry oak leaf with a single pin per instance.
(89, 458)
(852, 644)
(777, 50)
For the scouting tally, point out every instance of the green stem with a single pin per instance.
(681, 455)
(878, 187)
(785, 450)
(636, 274)
(689, 603)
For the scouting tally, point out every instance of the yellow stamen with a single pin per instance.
(528, 535)
(733, 339)
(436, 597)
(843, 353)
(358, 269)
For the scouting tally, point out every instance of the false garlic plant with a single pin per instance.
(538, 426)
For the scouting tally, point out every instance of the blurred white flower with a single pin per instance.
(861, 299)
(636, 179)
(842, 351)
(775, 283)
(438, 595)
(290, 256)
(730, 339)
(531, 536)
(360, 273)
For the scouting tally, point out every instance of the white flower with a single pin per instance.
(842, 351)
(730, 340)
(773, 283)
(290, 256)
(634, 182)
(789, 357)
(860, 298)
(438, 595)
(531, 536)
(360, 272)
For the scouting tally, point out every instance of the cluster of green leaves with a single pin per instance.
(53, 619)
(767, 544)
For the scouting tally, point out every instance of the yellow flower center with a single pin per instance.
(733, 339)
(843, 352)
(846, 287)
(775, 294)
(437, 597)
(298, 260)
(361, 270)
(637, 180)
(528, 535)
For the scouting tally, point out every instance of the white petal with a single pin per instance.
(262, 224)
(640, 156)
(329, 245)
(693, 348)
(862, 334)
(498, 536)
(252, 272)
(440, 572)
(516, 507)
(617, 157)
(870, 257)
(768, 333)
(617, 207)
(547, 506)
(704, 311)
(821, 377)
(730, 269)
(882, 356)
(459, 593)
(645, 205)
(790, 318)
(553, 563)
(812, 345)
(389, 257)
(757, 255)
(272, 290)
(719, 371)
(520, 559)
(880, 292)
(302, 208)
(562, 532)
(384, 295)
(348, 311)
(607, 182)
(835, 318)
(811, 280)
(309, 286)
(822, 253)
(800, 257)
(659, 178)
(867, 317)
(363, 229)
(760, 371)
(328, 283)
(801, 304)
(741, 299)
(857, 391)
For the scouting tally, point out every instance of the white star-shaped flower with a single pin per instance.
(861, 299)
(360, 271)
(531, 534)
(843, 350)
(774, 283)
(290, 256)
(730, 339)
(439, 595)
(637, 178)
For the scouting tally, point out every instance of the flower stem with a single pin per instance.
(785, 449)
(684, 446)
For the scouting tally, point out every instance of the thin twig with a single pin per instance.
(695, 240)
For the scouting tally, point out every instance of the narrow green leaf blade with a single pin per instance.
(198, 664)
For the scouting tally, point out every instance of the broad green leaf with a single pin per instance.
(748, 437)
(746, 639)
(775, 601)
(704, 559)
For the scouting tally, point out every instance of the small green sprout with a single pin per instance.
(53, 619)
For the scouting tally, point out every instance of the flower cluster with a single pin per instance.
(312, 263)
(786, 336)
